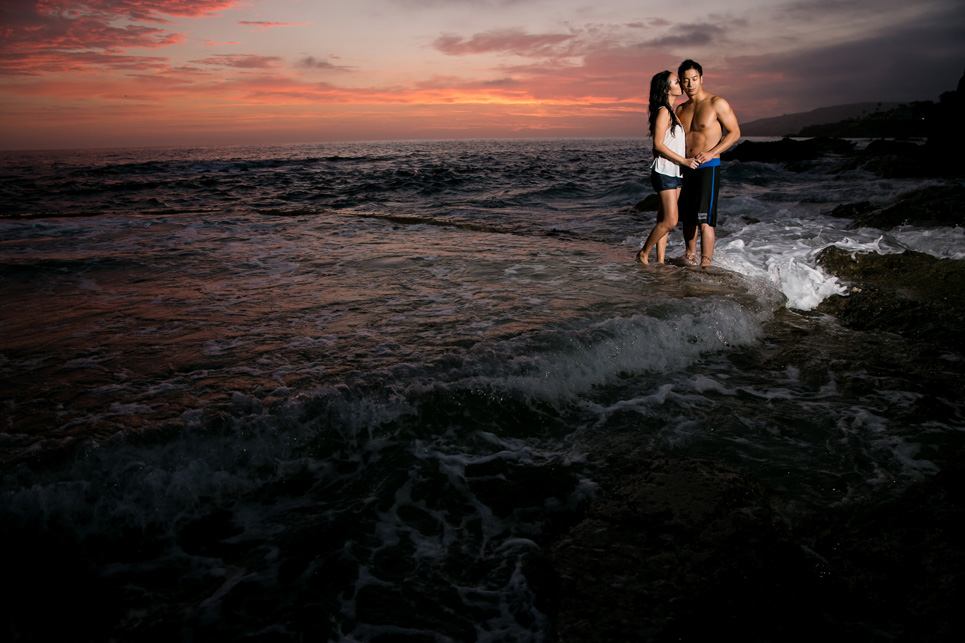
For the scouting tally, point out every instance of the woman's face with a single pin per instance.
(674, 90)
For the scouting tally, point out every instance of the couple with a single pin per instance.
(691, 137)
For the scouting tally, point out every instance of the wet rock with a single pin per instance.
(206, 536)
(54, 590)
(931, 206)
(905, 159)
(883, 147)
(911, 294)
(678, 550)
(694, 550)
(899, 564)
(788, 150)
(892, 160)
(852, 210)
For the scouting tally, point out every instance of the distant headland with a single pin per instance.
(792, 124)
(926, 138)
(860, 120)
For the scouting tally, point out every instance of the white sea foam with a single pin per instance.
(581, 358)
(944, 243)
(789, 260)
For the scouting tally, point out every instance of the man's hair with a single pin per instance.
(689, 64)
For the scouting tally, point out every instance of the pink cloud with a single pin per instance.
(81, 62)
(38, 36)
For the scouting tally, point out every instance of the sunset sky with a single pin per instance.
(105, 73)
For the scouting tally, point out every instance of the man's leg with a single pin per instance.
(708, 238)
(690, 244)
(710, 186)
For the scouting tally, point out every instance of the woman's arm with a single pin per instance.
(660, 132)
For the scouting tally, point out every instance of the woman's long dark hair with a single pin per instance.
(660, 97)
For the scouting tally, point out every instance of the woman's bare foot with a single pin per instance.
(642, 258)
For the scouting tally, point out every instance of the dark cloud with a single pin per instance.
(148, 10)
(476, 4)
(241, 61)
(310, 62)
(506, 41)
(650, 24)
(140, 10)
(816, 10)
(692, 35)
(500, 82)
(905, 63)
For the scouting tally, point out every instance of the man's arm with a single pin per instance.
(728, 122)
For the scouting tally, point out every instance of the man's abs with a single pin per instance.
(702, 141)
(703, 131)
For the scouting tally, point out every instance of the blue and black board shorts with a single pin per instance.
(698, 198)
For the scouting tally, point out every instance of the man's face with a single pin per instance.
(691, 81)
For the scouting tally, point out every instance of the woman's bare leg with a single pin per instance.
(666, 221)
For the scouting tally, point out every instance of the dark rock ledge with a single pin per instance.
(927, 207)
(911, 294)
(693, 550)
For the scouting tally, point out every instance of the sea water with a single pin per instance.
(342, 390)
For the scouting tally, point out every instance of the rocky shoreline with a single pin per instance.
(688, 549)
(884, 157)
(911, 294)
(693, 549)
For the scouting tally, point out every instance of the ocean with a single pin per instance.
(343, 391)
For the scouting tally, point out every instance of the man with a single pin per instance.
(711, 129)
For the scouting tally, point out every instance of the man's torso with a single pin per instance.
(701, 124)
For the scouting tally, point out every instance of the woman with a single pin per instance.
(669, 149)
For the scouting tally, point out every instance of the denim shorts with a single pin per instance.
(661, 182)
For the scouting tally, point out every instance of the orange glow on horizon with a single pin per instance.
(90, 73)
(73, 75)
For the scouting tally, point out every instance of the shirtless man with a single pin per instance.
(711, 129)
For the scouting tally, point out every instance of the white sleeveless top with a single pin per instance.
(676, 141)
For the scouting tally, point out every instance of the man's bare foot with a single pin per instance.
(705, 260)
(690, 259)
(642, 258)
